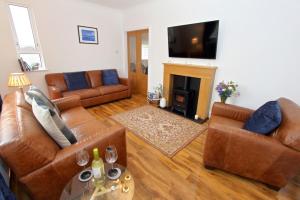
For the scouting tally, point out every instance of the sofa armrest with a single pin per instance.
(54, 92)
(66, 158)
(67, 103)
(231, 111)
(251, 155)
(126, 81)
(63, 167)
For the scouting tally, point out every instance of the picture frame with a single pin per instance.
(88, 35)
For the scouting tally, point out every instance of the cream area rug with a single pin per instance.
(166, 131)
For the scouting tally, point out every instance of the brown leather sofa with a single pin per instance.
(38, 163)
(273, 159)
(95, 95)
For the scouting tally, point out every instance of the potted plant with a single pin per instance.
(226, 90)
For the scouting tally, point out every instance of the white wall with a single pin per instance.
(259, 43)
(57, 22)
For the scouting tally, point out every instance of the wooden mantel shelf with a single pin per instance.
(205, 73)
(192, 65)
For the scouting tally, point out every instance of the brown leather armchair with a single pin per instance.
(273, 159)
(36, 160)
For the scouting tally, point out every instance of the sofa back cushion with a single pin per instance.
(76, 81)
(24, 145)
(110, 77)
(95, 78)
(289, 131)
(57, 80)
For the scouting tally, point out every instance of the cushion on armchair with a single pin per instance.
(76, 81)
(265, 119)
(110, 77)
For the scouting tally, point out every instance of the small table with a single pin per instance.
(77, 190)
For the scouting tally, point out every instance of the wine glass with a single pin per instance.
(111, 156)
(82, 158)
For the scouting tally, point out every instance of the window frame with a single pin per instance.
(27, 50)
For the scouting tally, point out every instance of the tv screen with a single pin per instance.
(194, 40)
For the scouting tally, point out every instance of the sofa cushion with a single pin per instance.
(57, 80)
(289, 131)
(109, 89)
(95, 78)
(36, 93)
(0, 103)
(53, 124)
(265, 119)
(84, 94)
(76, 81)
(110, 77)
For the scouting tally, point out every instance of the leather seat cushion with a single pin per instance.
(215, 120)
(109, 89)
(90, 128)
(76, 116)
(84, 93)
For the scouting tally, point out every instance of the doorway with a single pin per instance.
(137, 48)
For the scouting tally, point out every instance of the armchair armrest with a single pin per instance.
(67, 103)
(54, 92)
(231, 111)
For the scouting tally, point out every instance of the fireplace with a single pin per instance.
(185, 95)
(202, 93)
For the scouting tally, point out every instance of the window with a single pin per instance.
(145, 50)
(26, 40)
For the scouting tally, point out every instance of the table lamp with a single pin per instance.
(18, 80)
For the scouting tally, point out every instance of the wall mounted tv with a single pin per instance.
(194, 40)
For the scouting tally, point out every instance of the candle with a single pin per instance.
(196, 117)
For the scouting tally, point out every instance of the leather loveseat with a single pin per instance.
(96, 94)
(273, 159)
(38, 163)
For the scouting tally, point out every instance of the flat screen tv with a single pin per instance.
(194, 40)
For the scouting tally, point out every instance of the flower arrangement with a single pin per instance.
(226, 90)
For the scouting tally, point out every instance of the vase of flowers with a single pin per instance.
(227, 90)
(158, 90)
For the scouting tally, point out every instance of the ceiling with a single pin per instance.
(119, 4)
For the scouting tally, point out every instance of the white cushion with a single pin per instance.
(48, 121)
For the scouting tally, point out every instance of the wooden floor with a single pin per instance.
(183, 177)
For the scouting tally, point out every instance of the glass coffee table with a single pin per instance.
(120, 189)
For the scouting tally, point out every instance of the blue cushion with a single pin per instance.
(76, 81)
(0, 103)
(5, 193)
(110, 77)
(265, 119)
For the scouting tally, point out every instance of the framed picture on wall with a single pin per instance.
(88, 35)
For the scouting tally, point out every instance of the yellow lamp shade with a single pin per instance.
(18, 80)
